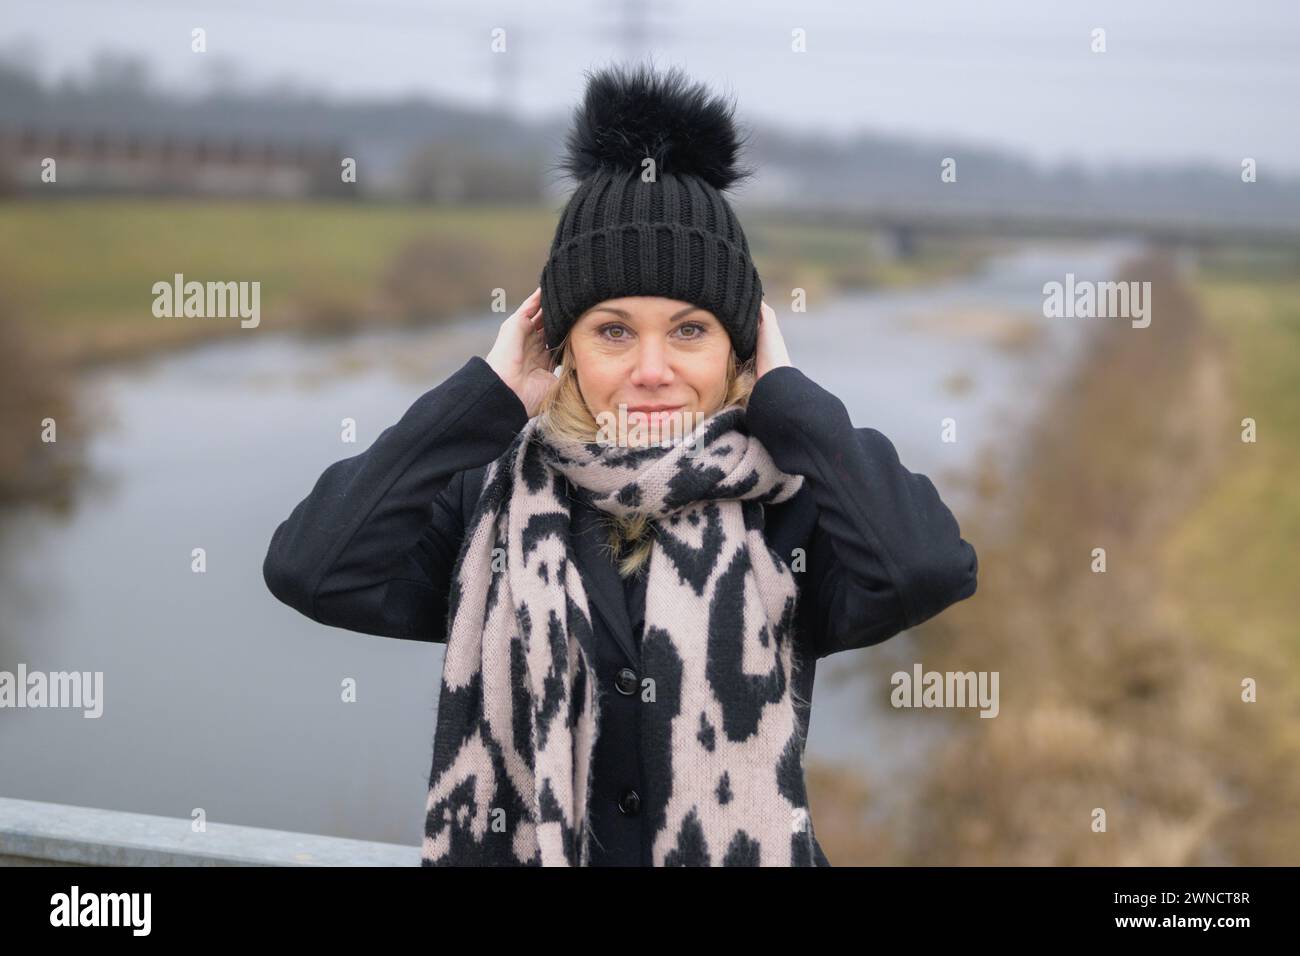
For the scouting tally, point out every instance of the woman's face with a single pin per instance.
(657, 356)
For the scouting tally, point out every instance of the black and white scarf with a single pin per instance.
(518, 713)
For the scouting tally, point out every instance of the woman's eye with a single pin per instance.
(698, 330)
(609, 330)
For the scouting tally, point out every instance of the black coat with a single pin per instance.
(372, 548)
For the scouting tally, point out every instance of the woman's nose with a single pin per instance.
(651, 365)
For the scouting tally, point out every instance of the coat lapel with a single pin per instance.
(604, 586)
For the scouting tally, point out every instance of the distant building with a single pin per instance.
(98, 161)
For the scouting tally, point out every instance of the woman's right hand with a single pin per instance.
(520, 355)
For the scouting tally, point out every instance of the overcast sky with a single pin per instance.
(1181, 81)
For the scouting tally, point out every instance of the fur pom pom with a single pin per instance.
(627, 116)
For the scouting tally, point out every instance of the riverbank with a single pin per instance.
(1123, 690)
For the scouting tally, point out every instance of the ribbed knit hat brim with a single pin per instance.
(676, 238)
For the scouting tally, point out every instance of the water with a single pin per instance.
(219, 698)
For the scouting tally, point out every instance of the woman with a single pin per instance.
(635, 525)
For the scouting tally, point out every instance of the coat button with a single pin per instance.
(626, 681)
(630, 802)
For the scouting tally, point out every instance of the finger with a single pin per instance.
(523, 315)
(515, 324)
(516, 330)
(533, 303)
(537, 340)
(530, 312)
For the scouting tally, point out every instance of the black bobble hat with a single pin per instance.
(674, 235)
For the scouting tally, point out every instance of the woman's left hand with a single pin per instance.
(771, 351)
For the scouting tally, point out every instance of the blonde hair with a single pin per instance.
(564, 414)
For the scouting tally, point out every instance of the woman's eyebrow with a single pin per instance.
(627, 315)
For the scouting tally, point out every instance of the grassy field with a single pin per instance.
(79, 273)
(1239, 550)
(1234, 558)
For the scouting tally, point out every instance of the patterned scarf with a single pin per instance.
(518, 713)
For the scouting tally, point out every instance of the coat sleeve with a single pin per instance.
(886, 553)
(372, 547)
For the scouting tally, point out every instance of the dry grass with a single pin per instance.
(1111, 698)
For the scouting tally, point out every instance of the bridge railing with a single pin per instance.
(34, 833)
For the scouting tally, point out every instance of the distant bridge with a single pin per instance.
(905, 222)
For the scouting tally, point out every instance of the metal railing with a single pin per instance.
(34, 833)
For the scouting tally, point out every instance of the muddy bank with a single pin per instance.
(36, 403)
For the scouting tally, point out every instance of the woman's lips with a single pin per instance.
(654, 415)
(659, 420)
